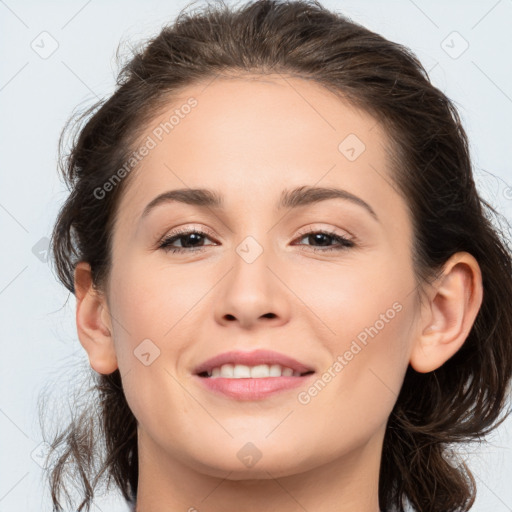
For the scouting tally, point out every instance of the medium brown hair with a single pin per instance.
(458, 402)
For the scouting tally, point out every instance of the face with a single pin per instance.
(326, 280)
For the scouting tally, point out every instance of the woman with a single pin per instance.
(289, 291)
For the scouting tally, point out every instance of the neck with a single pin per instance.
(343, 484)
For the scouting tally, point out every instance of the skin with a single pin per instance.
(249, 139)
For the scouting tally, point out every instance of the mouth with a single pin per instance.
(252, 383)
(260, 371)
(255, 375)
(256, 364)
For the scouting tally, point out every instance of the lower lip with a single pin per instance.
(252, 389)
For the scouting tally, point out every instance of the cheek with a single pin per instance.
(150, 305)
(346, 298)
(150, 299)
(156, 309)
(365, 312)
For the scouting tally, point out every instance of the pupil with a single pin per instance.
(318, 238)
(196, 236)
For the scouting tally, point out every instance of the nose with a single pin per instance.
(253, 293)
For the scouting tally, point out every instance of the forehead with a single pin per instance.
(251, 137)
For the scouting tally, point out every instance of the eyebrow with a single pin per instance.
(290, 199)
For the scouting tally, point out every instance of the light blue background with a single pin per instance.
(37, 95)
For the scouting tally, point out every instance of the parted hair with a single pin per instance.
(435, 412)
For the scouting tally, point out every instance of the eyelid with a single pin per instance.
(343, 242)
(185, 230)
(301, 232)
(314, 227)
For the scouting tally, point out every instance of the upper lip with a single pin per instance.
(253, 358)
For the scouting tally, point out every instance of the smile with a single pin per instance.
(260, 371)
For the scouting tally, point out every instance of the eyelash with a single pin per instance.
(164, 244)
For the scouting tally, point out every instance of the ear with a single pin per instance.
(446, 321)
(93, 322)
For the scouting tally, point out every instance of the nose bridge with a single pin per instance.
(253, 256)
(255, 241)
(251, 289)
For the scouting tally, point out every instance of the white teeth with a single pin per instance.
(262, 370)
(241, 371)
(275, 370)
(226, 370)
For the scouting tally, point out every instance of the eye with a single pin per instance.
(166, 243)
(193, 237)
(323, 238)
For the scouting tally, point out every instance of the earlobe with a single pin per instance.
(453, 306)
(93, 322)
